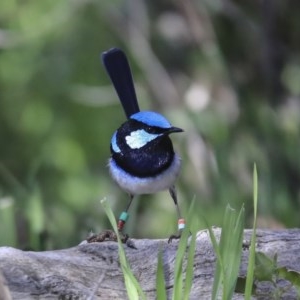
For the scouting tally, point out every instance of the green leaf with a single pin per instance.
(228, 252)
(160, 278)
(292, 276)
(190, 268)
(231, 249)
(181, 252)
(178, 273)
(264, 267)
(8, 231)
(219, 275)
(251, 260)
(133, 288)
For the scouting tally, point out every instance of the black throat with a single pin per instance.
(148, 161)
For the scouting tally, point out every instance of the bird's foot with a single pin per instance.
(181, 226)
(110, 235)
(105, 235)
(175, 237)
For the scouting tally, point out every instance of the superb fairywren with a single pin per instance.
(142, 157)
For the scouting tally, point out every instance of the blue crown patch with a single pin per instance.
(151, 118)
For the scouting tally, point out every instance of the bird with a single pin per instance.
(142, 158)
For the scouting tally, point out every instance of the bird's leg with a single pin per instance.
(123, 218)
(121, 223)
(181, 221)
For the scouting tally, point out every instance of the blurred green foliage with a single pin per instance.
(227, 72)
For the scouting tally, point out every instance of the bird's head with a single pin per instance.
(141, 129)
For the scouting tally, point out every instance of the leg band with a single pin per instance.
(181, 224)
(124, 216)
(120, 225)
(122, 220)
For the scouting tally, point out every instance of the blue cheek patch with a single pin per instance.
(151, 118)
(139, 138)
(114, 144)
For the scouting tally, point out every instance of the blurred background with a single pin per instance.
(225, 71)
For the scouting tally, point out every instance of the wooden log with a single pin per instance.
(92, 271)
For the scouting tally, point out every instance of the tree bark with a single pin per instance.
(92, 270)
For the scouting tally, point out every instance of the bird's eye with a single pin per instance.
(152, 130)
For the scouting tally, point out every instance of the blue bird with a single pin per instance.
(142, 157)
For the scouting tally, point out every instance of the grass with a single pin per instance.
(251, 261)
(228, 252)
(8, 226)
(182, 287)
(160, 278)
(133, 288)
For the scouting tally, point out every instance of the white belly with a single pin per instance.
(136, 186)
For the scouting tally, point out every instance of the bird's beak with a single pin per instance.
(174, 129)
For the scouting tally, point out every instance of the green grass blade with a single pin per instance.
(160, 278)
(8, 230)
(178, 273)
(251, 261)
(228, 252)
(233, 252)
(133, 288)
(218, 276)
(36, 216)
(190, 268)
(181, 252)
(130, 283)
(226, 234)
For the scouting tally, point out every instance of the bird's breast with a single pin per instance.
(148, 160)
(137, 185)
